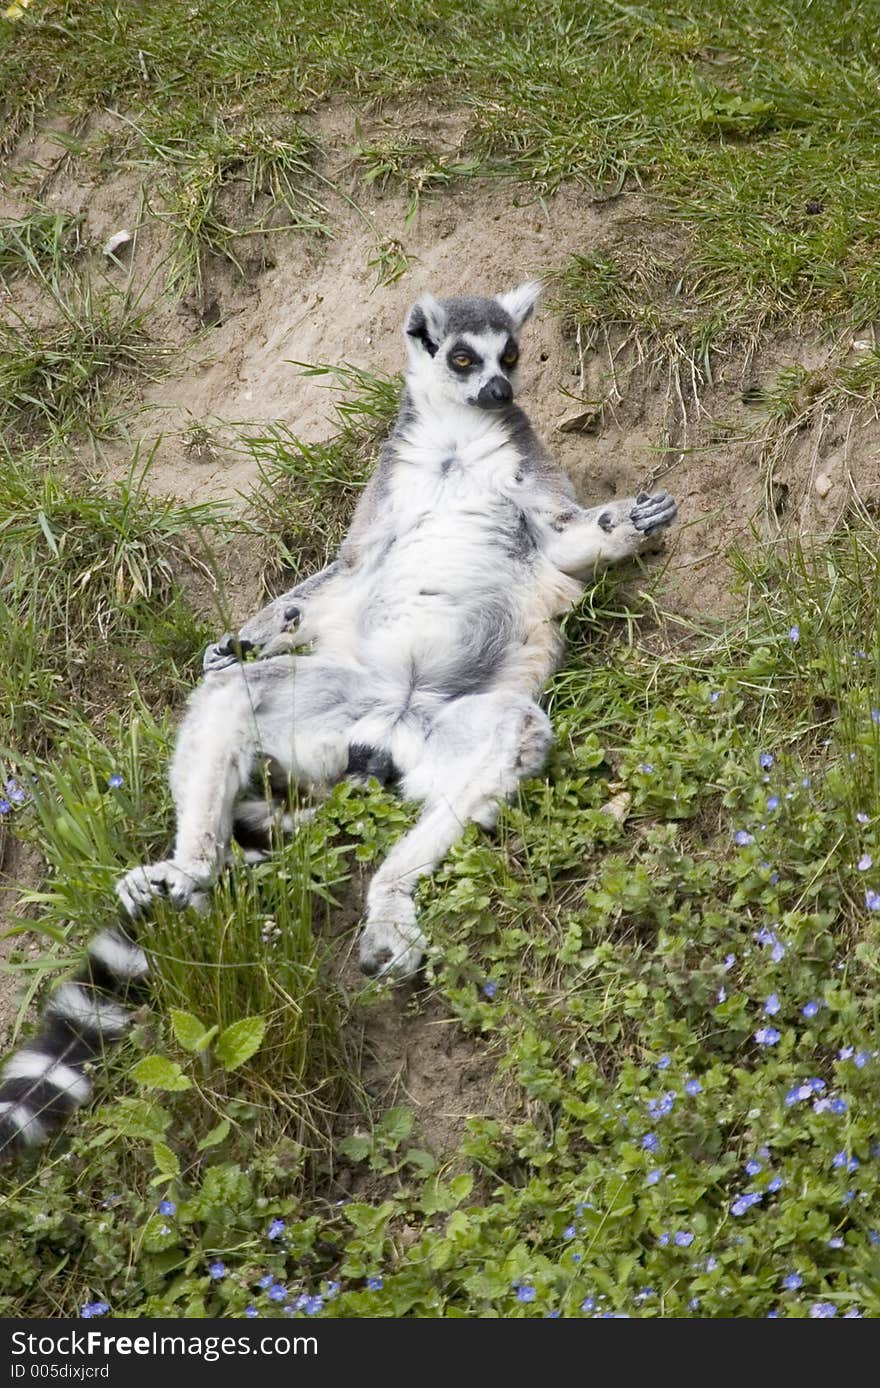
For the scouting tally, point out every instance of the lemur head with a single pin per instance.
(465, 351)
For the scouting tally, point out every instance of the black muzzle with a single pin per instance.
(495, 394)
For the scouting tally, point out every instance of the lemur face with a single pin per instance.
(465, 351)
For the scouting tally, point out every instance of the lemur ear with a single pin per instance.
(426, 323)
(520, 302)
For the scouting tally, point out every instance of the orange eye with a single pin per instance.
(462, 361)
(510, 358)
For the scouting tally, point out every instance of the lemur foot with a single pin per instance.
(392, 944)
(181, 884)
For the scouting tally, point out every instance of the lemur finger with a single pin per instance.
(655, 513)
(219, 656)
(134, 892)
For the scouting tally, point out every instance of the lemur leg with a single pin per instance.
(294, 712)
(475, 754)
(583, 541)
(213, 759)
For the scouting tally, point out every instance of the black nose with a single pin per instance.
(495, 393)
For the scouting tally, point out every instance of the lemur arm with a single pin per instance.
(580, 542)
(284, 614)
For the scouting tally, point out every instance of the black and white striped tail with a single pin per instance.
(48, 1077)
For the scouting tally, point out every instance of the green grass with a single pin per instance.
(753, 131)
(701, 861)
(200, 168)
(39, 244)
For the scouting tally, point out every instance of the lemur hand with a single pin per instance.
(261, 636)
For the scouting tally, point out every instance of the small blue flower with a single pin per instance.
(664, 1062)
(94, 1308)
(651, 1142)
(837, 1105)
(167, 1207)
(752, 1167)
(489, 988)
(266, 1282)
(862, 818)
(776, 1184)
(799, 1093)
(646, 767)
(767, 1036)
(276, 1229)
(794, 634)
(872, 900)
(861, 1058)
(852, 1314)
(588, 1304)
(822, 1310)
(375, 1284)
(662, 1240)
(277, 1292)
(836, 1242)
(5, 807)
(693, 1087)
(711, 1263)
(683, 1238)
(313, 1305)
(793, 1282)
(660, 1108)
(875, 715)
(865, 862)
(714, 696)
(742, 838)
(250, 1312)
(332, 1289)
(569, 1231)
(525, 1294)
(772, 1005)
(772, 802)
(217, 1270)
(653, 1177)
(115, 781)
(845, 1161)
(745, 1202)
(810, 1009)
(721, 995)
(846, 1052)
(766, 760)
(729, 961)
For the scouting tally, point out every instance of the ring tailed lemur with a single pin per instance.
(430, 638)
